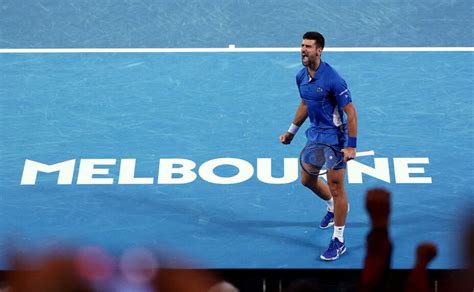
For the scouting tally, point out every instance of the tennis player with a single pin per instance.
(325, 98)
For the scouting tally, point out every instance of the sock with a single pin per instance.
(330, 204)
(338, 233)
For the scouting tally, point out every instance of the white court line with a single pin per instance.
(231, 49)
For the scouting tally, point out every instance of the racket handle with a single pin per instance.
(362, 154)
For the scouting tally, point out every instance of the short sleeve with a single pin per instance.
(341, 92)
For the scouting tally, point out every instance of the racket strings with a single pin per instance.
(317, 159)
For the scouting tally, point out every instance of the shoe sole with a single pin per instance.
(334, 258)
(325, 227)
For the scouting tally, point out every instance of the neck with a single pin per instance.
(313, 67)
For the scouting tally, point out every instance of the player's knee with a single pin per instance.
(307, 181)
(337, 189)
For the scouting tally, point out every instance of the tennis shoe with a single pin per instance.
(327, 221)
(334, 251)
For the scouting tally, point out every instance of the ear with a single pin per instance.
(319, 50)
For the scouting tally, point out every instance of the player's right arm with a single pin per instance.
(300, 117)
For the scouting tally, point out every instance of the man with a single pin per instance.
(325, 98)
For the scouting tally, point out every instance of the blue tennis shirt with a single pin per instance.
(325, 95)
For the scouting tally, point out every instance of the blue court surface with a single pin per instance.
(179, 152)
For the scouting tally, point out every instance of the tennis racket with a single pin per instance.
(318, 158)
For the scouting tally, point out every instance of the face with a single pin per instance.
(310, 53)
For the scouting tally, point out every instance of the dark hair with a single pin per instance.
(313, 35)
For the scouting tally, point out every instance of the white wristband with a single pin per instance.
(293, 129)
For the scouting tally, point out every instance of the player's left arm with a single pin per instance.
(344, 100)
(350, 150)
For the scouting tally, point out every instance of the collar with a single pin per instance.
(319, 71)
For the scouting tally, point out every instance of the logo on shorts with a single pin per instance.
(319, 90)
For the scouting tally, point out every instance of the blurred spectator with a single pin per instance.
(418, 280)
(92, 269)
(57, 273)
(469, 256)
(376, 271)
(184, 280)
(464, 280)
(223, 287)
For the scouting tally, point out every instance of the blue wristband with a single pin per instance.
(352, 142)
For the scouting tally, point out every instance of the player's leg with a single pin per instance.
(321, 189)
(336, 186)
(316, 185)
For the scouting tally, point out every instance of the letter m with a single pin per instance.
(31, 169)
